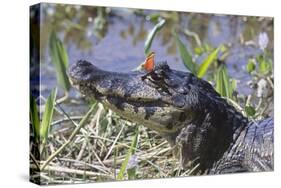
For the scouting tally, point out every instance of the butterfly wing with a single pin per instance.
(149, 62)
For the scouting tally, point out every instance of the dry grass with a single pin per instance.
(97, 151)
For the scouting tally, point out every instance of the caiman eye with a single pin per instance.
(156, 79)
(155, 76)
(158, 74)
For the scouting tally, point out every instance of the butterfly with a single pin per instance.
(148, 64)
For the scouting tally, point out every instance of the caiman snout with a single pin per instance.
(90, 79)
(151, 98)
(82, 71)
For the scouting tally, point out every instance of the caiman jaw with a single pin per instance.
(128, 95)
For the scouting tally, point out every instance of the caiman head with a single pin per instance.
(185, 110)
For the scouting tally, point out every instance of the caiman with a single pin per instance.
(186, 111)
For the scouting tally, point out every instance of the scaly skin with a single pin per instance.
(186, 111)
(253, 150)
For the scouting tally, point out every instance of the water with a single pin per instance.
(119, 45)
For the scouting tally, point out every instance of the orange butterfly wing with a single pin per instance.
(149, 62)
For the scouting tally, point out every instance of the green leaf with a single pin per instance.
(219, 83)
(60, 61)
(226, 83)
(250, 111)
(223, 84)
(223, 48)
(251, 65)
(34, 118)
(132, 173)
(206, 47)
(207, 62)
(130, 152)
(48, 116)
(264, 67)
(154, 17)
(185, 56)
(198, 50)
(151, 35)
(233, 84)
